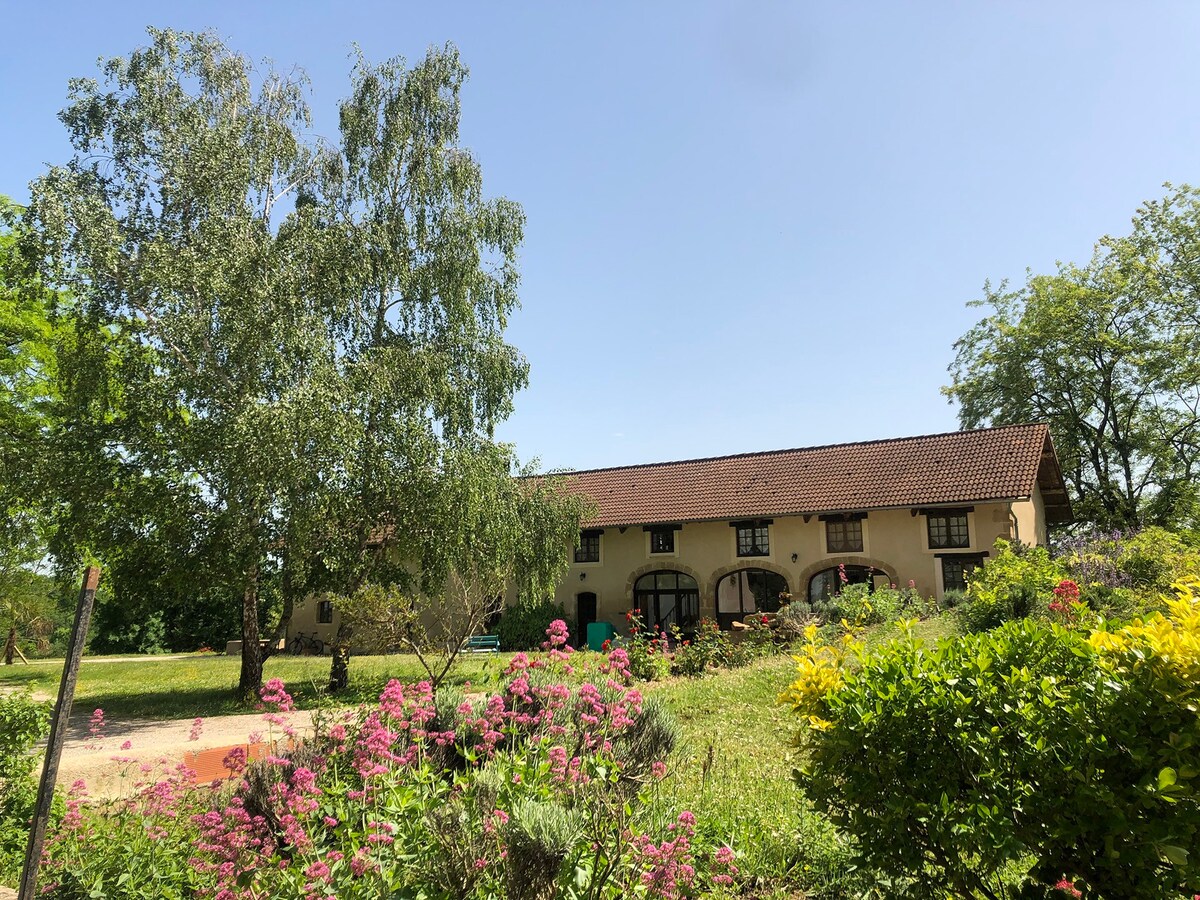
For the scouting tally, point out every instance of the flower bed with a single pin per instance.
(542, 789)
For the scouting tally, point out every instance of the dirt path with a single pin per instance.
(160, 744)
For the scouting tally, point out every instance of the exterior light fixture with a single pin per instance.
(795, 556)
(583, 576)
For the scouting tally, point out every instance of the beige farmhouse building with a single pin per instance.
(722, 537)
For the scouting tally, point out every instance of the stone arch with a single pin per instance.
(748, 563)
(664, 565)
(832, 562)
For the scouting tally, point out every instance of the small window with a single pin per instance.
(947, 530)
(324, 612)
(956, 571)
(589, 547)
(753, 539)
(844, 536)
(662, 540)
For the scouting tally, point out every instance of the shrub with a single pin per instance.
(1123, 575)
(523, 626)
(542, 790)
(23, 722)
(1016, 582)
(708, 648)
(1069, 753)
(648, 653)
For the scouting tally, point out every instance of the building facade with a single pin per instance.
(723, 538)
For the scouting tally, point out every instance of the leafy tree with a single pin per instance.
(27, 376)
(288, 359)
(1107, 354)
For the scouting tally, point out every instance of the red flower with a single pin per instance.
(765, 620)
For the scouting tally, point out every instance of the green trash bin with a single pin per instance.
(598, 633)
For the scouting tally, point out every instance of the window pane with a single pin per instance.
(686, 582)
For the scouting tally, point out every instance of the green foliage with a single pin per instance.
(707, 649)
(23, 722)
(286, 361)
(1107, 354)
(1019, 749)
(1016, 581)
(523, 625)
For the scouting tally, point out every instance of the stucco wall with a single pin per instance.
(894, 541)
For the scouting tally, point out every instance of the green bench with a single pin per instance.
(482, 643)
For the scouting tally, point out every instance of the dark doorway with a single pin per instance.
(748, 591)
(585, 614)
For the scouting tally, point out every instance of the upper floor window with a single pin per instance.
(753, 538)
(662, 538)
(589, 547)
(948, 529)
(843, 535)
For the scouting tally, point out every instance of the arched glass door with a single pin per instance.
(829, 583)
(748, 591)
(668, 598)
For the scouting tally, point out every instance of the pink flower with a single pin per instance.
(197, 729)
(274, 694)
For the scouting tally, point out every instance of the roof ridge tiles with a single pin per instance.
(761, 453)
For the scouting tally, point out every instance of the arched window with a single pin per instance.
(748, 591)
(668, 598)
(829, 583)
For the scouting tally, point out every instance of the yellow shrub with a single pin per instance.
(1174, 638)
(819, 669)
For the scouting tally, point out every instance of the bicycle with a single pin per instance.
(304, 644)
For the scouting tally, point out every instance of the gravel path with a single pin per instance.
(156, 743)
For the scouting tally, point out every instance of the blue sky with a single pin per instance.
(750, 225)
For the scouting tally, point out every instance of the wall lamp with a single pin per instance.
(583, 576)
(795, 556)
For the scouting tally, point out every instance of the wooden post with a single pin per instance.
(58, 734)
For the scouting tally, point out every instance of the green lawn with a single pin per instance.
(205, 685)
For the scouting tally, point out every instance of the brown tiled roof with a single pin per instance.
(957, 467)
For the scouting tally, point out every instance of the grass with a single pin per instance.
(147, 688)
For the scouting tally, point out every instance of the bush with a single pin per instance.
(523, 626)
(543, 790)
(1016, 582)
(708, 648)
(23, 722)
(1123, 575)
(1034, 748)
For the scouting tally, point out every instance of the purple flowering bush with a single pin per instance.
(543, 789)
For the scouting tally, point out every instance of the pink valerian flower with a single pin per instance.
(1065, 596)
(235, 760)
(274, 694)
(842, 574)
(658, 769)
(96, 725)
(126, 745)
(912, 584)
(197, 729)
(1068, 887)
